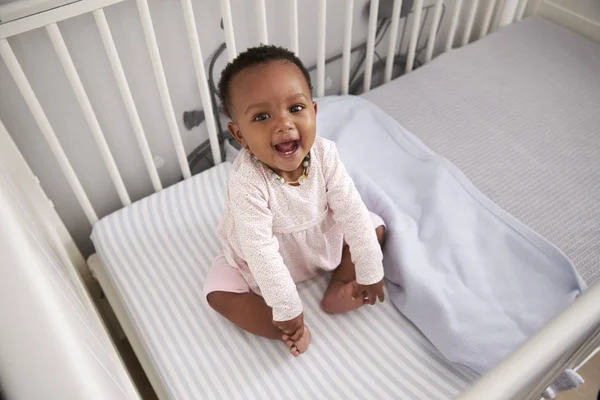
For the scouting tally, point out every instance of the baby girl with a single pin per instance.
(292, 210)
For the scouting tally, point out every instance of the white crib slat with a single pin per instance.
(470, 22)
(261, 22)
(414, 35)
(391, 53)
(134, 118)
(347, 51)
(321, 20)
(487, 19)
(20, 79)
(228, 28)
(294, 28)
(373, 9)
(192, 32)
(437, 15)
(163, 89)
(88, 112)
(521, 10)
(453, 25)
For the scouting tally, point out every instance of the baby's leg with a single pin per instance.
(246, 310)
(338, 297)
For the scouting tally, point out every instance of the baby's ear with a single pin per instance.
(315, 106)
(236, 133)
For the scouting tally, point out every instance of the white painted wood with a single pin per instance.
(163, 88)
(141, 351)
(52, 16)
(414, 35)
(391, 53)
(453, 25)
(521, 10)
(321, 21)
(228, 28)
(18, 75)
(198, 60)
(25, 8)
(294, 27)
(261, 21)
(347, 49)
(487, 19)
(470, 22)
(134, 118)
(435, 24)
(371, 31)
(499, 18)
(88, 112)
(546, 348)
(39, 206)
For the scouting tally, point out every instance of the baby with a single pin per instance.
(292, 210)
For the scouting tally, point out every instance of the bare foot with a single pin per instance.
(299, 346)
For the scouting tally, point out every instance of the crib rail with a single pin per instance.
(562, 344)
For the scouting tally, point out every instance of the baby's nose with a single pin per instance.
(284, 125)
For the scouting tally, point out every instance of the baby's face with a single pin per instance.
(273, 114)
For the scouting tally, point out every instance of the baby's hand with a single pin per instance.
(370, 293)
(292, 329)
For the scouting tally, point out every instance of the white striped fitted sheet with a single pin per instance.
(157, 252)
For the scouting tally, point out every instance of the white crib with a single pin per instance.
(565, 343)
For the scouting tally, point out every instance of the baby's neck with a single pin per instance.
(292, 176)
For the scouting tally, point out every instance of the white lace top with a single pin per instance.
(278, 235)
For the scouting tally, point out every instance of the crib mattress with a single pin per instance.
(156, 253)
(519, 113)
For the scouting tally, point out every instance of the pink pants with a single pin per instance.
(222, 277)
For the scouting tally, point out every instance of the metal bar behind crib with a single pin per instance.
(134, 118)
(198, 60)
(391, 54)
(20, 79)
(347, 51)
(161, 81)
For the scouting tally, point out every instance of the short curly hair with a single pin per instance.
(254, 56)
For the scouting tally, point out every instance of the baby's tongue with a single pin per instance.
(285, 147)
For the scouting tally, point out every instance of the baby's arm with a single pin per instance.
(352, 215)
(260, 249)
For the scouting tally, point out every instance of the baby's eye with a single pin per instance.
(296, 108)
(261, 117)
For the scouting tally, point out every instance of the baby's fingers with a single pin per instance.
(381, 295)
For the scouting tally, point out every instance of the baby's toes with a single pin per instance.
(294, 351)
(289, 343)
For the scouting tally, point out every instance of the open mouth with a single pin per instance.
(287, 148)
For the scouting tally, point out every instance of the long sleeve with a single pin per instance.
(350, 212)
(260, 249)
